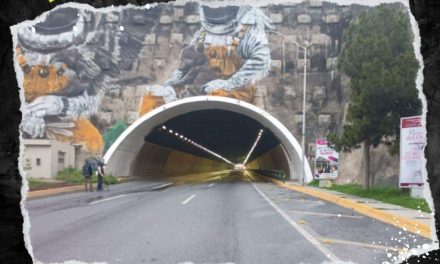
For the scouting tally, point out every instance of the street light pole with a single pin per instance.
(303, 159)
(303, 143)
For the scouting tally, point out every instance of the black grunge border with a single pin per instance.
(12, 247)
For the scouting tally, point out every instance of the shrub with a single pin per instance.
(72, 175)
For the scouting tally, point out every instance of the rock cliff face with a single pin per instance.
(318, 23)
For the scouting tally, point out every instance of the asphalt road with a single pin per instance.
(210, 222)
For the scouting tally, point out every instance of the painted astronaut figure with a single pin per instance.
(62, 78)
(236, 49)
(58, 100)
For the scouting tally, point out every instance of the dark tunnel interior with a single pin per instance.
(227, 133)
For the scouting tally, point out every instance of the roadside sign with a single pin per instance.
(326, 161)
(412, 143)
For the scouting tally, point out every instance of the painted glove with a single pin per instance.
(45, 105)
(177, 75)
(167, 92)
(216, 85)
(33, 125)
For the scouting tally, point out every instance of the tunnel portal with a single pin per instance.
(155, 145)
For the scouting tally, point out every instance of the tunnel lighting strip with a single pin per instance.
(253, 147)
(187, 140)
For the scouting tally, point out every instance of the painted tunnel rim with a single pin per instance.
(218, 102)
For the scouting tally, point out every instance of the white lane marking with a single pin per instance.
(189, 199)
(367, 245)
(212, 184)
(107, 199)
(325, 214)
(301, 230)
(161, 186)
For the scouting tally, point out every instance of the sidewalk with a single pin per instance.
(54, 191)
(416, 215)
(67, 189)
(125, 185)
(414, 221)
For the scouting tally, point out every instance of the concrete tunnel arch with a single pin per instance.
(122, 154)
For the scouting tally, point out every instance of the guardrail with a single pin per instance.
(276, 174)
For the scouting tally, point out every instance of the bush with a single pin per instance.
(113, 133)
(72, 175)
(314, 183)
(38, 183)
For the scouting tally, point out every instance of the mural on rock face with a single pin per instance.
(74, 56)
(67, 61)
(226, 57)
(87, 73)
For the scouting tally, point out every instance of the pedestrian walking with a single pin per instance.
(100, 174)
(87, 171)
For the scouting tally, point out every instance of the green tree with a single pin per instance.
(379, 59)
(113, 133)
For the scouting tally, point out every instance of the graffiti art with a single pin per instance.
(74, 56)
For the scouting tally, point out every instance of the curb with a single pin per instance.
(161, 187)
(61, 190)
(54, 191)
(395, 220)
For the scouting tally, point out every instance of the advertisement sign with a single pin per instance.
(326, 161)
(412, 142)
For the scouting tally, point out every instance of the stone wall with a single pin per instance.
(383, 166)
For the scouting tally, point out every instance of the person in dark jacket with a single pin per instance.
(87, 172)
(100, 172)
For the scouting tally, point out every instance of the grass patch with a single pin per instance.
(72, 175)
(37, 183)
(390, 195)
(314, 183)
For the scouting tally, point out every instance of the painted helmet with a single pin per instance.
(60, 29)
(221, 20)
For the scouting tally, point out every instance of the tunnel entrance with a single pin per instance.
(171, 148)
(205, 134)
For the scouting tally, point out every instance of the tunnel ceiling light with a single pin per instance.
(181, 136)
(253, 147)
(164, 127)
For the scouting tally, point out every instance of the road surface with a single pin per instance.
(223, 221)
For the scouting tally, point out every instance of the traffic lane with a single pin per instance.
(222, 223)
(47, 204)
(73, 232)
(241, 227)
(345, 232)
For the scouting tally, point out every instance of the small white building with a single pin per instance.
(44, 158)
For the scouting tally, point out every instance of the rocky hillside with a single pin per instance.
(321, 24)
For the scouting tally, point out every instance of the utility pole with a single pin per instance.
(303, 143)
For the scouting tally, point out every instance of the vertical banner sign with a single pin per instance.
(412, 142)
(326, 161)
